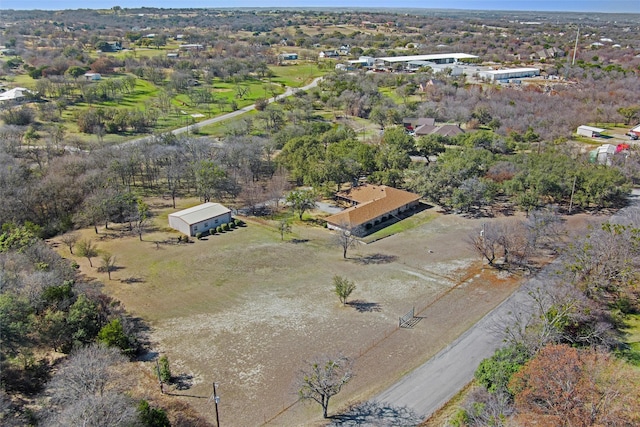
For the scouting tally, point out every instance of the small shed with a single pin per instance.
(199, 218)
(288, 56)
(589, 131)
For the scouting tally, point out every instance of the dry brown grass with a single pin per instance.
(247, 310)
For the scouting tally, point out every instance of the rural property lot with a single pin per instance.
(248, 311)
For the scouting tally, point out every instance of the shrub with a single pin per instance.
(219, 229)
(238, 223)
(225, 227)
(232, 224)
(198, 235)
(152, 417)
(261, 104)
(164, 369)
(112, 334)
(22, 116)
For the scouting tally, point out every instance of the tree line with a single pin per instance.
(65, 344)
(565, 361)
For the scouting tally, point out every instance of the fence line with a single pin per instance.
(386, 334)
(403, 321)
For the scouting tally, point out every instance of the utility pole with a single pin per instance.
(575, 48)
(216, 400)
(573, 189)
(159, 377)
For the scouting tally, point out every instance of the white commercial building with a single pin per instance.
(454, 70)
(513, 73)
(438, 58)
(365, 61)
(589, 131)
(199, 218)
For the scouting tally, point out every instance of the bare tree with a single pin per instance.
(557, 313)
(276, 187)
(346, 239)
(252, 195)
(506, 240)
(545, 229)
(486, 246)
(324, 379)
(70, 240)
(111, 409)
(482, 408)
(141, 218)
(284, 227)
(86, 373)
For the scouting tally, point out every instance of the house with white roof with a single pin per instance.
(15, 94)
(589, 131)
(199, 219)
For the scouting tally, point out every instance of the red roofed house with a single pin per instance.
(371, 206)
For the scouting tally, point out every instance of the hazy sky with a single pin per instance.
(541, 5)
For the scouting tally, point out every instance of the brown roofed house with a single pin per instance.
(448, 130)
(425, 129)
(444, 130)
(372, 205)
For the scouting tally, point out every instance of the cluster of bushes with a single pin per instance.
(21, 116)
(47, 308)
(234, 223)
(115, 120)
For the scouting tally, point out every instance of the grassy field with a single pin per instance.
(296, 75)
(632, 338)
(144, 92)
(22, 80)
(219, 129)
(417, 220)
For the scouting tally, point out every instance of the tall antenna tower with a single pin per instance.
(575, 48)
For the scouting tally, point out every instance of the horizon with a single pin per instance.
(583, 6)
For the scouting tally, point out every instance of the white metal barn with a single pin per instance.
(589, 131)
(199, 218)
(513, 73)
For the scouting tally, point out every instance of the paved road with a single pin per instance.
(433, 384)
(290, 91)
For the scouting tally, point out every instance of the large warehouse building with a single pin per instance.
(439, 58)
(513, 73)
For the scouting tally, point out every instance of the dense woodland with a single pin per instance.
(517, 154)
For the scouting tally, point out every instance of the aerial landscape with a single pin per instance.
(347, 215)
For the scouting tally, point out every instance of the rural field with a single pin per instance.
(248, 310)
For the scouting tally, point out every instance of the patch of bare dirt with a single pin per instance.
(248, 311)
